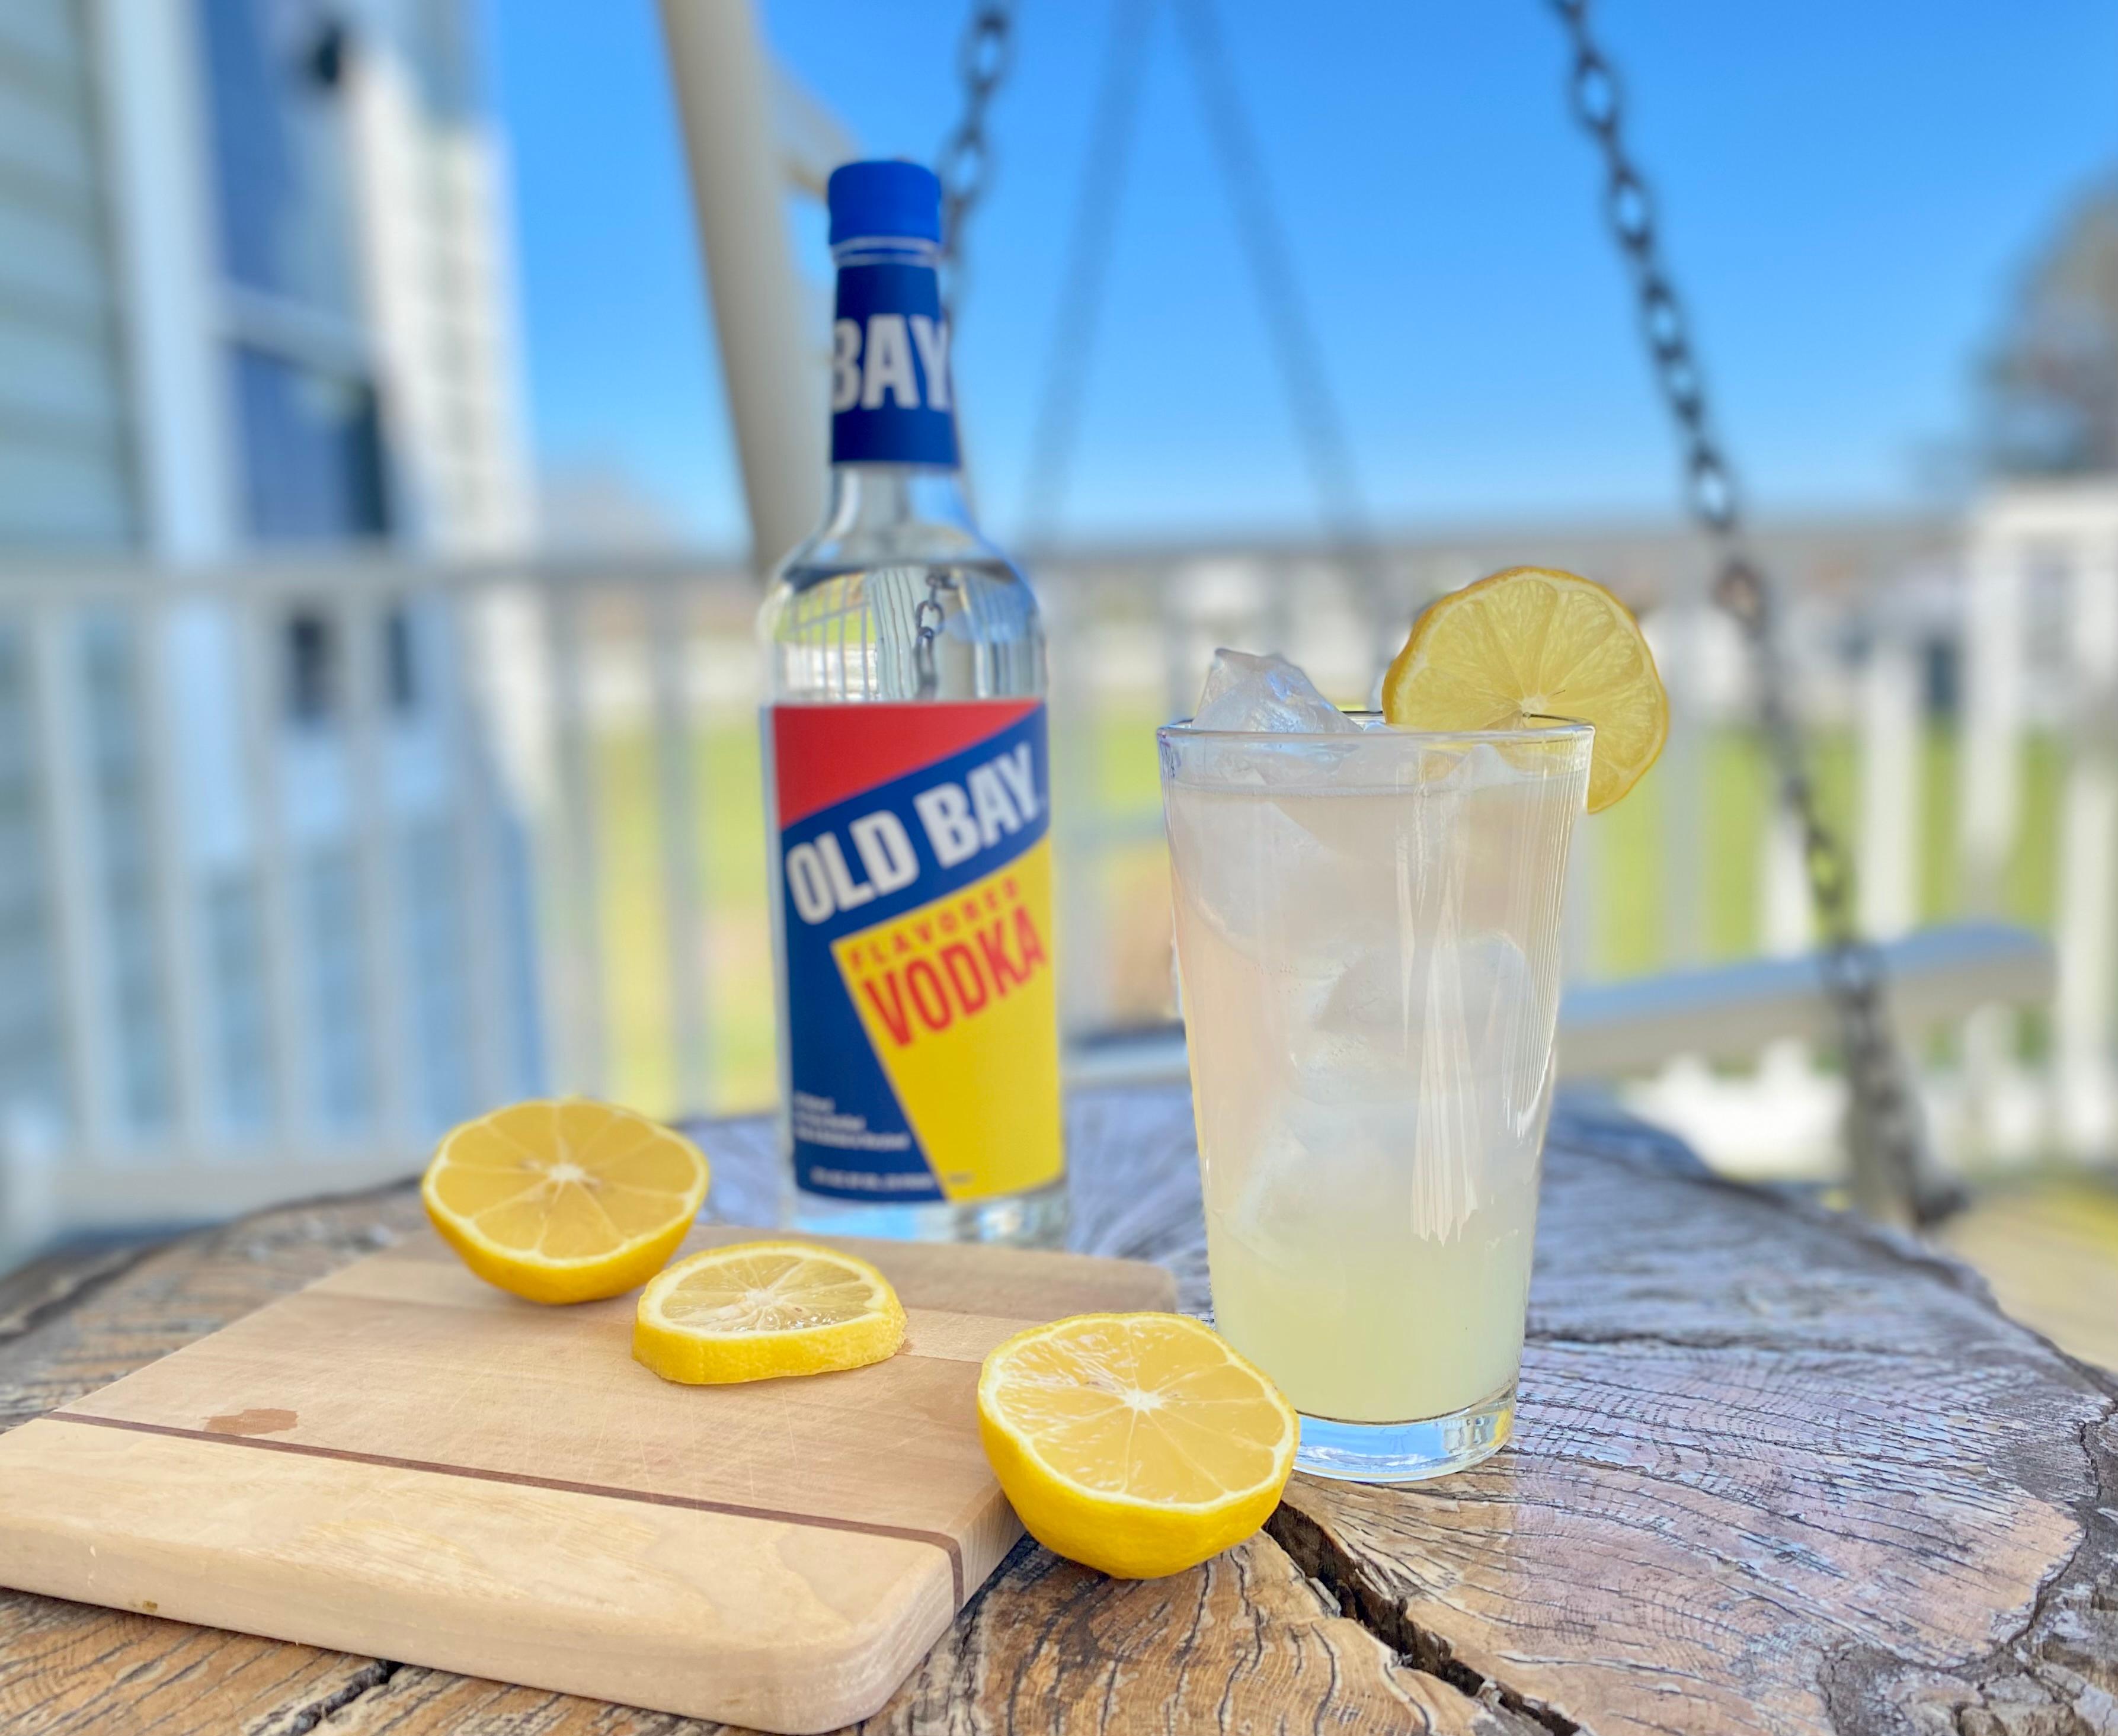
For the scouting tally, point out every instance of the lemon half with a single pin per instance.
(1140, 1444)
(564, 1201)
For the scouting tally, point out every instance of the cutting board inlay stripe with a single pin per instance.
(937, 1540)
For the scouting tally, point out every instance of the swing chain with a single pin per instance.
(1885, 1134)
(984, 58)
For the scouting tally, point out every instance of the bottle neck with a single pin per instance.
(892, 402)
(870, 502)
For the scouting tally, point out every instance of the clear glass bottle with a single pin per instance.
(907, 791)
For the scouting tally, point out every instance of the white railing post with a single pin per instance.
(1989, 746)
(1787, 919)
(676, 829)
(578, 1019)
(1080, 858)
(1787, 1065)
(1680, 782)
(377, 847)
(2088, 857)
(481, 871)
(287, 982)
(1992, 716)
(1890, 782)
(185, 1003)
(73, 879)
(1181, 674)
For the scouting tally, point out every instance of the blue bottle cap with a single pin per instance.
(888, 199)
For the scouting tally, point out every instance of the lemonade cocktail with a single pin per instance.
(1368, 934)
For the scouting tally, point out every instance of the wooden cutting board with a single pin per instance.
(403, 1461)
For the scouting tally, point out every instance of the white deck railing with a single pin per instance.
(303, 861)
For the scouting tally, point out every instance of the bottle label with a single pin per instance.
(915, 888)
(890, 401)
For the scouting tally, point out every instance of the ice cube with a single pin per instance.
(1288, 1216)
(1436, 1054)
(1482, 768)
(1378, 1018)
(1243, 691)
(1264, 884)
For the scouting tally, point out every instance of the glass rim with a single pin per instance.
(1549, 729)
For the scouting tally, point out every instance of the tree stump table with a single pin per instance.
(1772, 1472)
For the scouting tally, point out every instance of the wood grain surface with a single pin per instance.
(1773, 1473)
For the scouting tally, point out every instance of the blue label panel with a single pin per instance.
(890, 397)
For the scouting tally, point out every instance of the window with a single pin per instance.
(308, 431)
(312, 444)
(274, 69)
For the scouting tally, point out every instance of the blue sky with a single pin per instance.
(1847, 192)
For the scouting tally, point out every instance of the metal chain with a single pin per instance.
(927, 620)
(984, 58)
(1891, 1178)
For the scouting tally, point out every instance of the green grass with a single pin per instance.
(1628, 931)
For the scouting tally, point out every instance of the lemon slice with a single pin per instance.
(757, 1310)
(566, 1201)
(1530, 644)
(1137, 1443)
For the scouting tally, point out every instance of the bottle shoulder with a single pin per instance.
(891, 515)
(987, 599)
(898, 596)
(907, 630)
(858, 573)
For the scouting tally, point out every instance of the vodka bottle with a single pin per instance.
(907, 788)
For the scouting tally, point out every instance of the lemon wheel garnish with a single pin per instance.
(1137, 1443)
(566, 1200)
(1532, 644)
(758, 1310)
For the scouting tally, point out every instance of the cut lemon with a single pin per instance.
(564, 1202)
(757, 1310)
(1530, 644)
(1137, 1443)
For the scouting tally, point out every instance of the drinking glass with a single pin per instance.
(1368, 945)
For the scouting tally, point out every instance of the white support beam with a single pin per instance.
(813, 141)
(775, 386)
